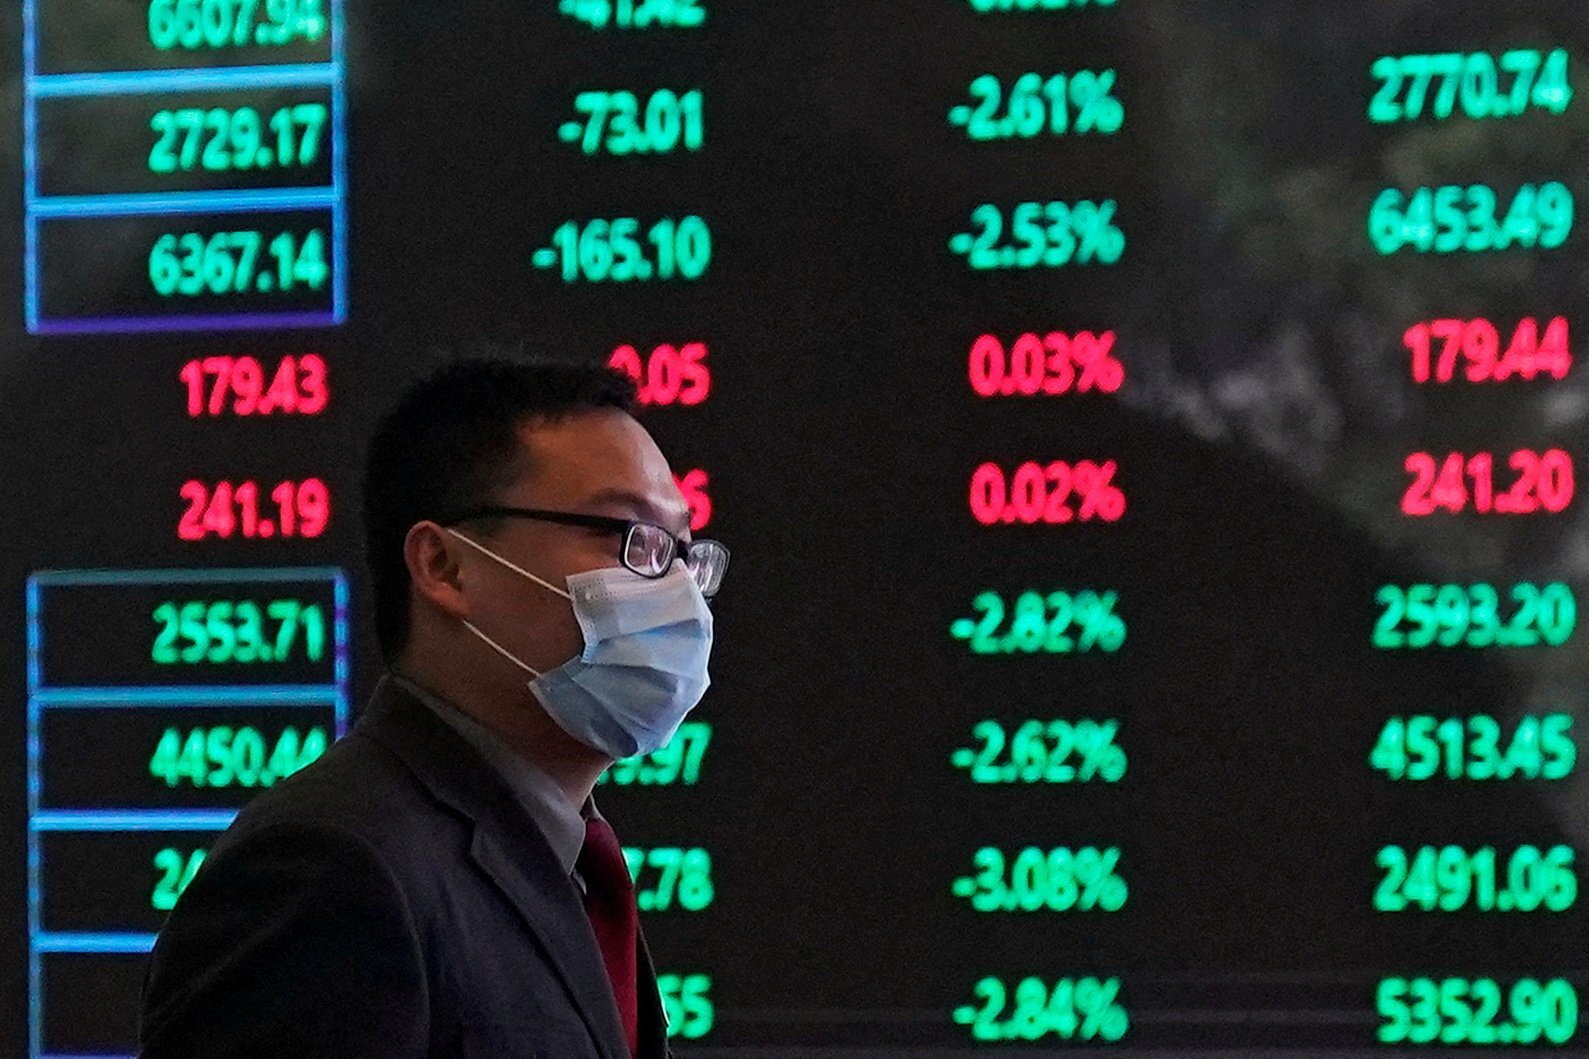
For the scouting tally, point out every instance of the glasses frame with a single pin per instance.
(625, 526)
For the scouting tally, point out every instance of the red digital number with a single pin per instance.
(1043, 493)
(1540, 482)
(668, 374)
(242, 386)
(1439, 347)
(695, 486)
(1051, 364)
(226, 510)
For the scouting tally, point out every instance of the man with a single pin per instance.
(440, 883)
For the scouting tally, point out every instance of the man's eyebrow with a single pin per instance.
(640, 505)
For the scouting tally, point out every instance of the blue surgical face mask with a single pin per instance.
(647, 642)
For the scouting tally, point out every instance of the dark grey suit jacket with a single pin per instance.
(392, 900)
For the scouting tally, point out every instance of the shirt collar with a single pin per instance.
(561, 823)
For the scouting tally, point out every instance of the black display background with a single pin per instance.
(1260, 437)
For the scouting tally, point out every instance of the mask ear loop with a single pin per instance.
(483, 550)
(498, 648)
(503, 651)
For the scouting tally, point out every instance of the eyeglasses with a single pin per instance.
(647, 549)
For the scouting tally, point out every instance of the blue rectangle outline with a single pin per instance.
(333, 72)
(180, 697)
(33, 321)
(339, 164)
(73, 821)
(35, 642)
(185, 575)
(192, 78)
(35, 786)
(62, 941)
(160, 203)
(30, 163)
(39, 695)
(293, 200)
(320, 697)
(126, 325)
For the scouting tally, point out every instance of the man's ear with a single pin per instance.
(431, 554)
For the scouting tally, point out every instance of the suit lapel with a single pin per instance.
(653, 1020)
(509, 848)
(550, 907)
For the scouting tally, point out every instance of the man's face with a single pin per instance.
(600, 462)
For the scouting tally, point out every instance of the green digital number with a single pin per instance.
(1045, 880)
(1415, 617)
(191, 264)
(1055, 623)
(1410, 83)
(636, 14)
(220, 139)
(222, 757)
(196, 24)
(1044, 752)
(1072, 1009)
(223, 632)
(1073, 104)
(613, 251)
(1424, 747)
(1042, 235)
(687, 1003)
(1469, 219)
(677, 763)
(174, 870)
(987, 7)
(1453, 879)
(1476, 1012)
(621, 123)
(668, 877)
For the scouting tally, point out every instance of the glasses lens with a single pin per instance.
(648, 550)
(707, 562)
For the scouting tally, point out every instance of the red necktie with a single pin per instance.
(610, 903)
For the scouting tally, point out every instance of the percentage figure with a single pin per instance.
(1072, 1009)
(1042, 494)
(1100, 370)
(1093, 224)
(1096, 109)
(635, 14)
(1101, 758)
(1033, 105)
(1044, 752)
(984, 7)
(1099, 498)
(1100, 626)
(1101, 887)
(1041, 235)
(1058, 623)
(1051, 365)
(1102, 1016)
(1039, 880)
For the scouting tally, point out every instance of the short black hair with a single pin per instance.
(451, 443)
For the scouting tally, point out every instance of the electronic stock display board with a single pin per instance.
(1146, 431)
